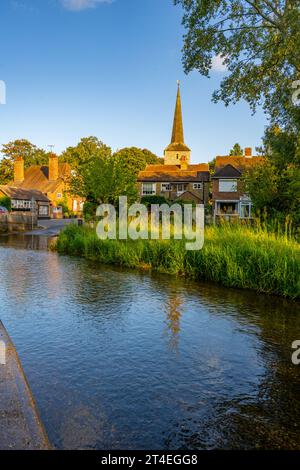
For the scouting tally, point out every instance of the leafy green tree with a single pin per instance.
(135, 159)
(259, 42)
(31, 154)
(275, 184)
(103, 180)
(6, 170)
(261, 183)
(5, 201)
(85, 151)
(236, 151)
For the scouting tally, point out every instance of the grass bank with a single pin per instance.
(233, 256)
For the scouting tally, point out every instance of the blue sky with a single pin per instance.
(75, 68)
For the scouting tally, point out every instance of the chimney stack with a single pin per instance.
(53, 167)
(248, 152)
(19, 170)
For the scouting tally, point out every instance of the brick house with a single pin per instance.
(177, 179)
(228, 197)
(175, 183)
(51, 180)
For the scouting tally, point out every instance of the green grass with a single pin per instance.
(233, 256)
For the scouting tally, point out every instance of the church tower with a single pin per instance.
(177, 153)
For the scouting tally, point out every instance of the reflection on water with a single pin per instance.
(173, 313)
(121, 359)
(29, 242)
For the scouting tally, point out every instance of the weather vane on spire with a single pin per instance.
(178, 82)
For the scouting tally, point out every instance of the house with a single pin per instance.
(51, 180)
(24, 200)
(229, 199)
(177, 178)
(190, 183)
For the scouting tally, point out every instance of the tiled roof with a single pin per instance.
(169, 173)
(36, 177)
(190, 191)
(238, 162)
(178, 147)
(23, 194)
(227, 171)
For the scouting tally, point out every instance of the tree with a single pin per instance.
(261, 183)
(103, 180)
(236, 151)
(135, 159)
(5, 201)
(258, 41)
(275, 184)
(86, 150)
(31, 154)
(6, 170)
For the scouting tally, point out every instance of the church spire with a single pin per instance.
(177, 151)
(177, 134)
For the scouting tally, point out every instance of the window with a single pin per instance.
(228, 186)
(59, 195)
(148, 189)
(245, 210)
(181, 188)
(227, 208)
(197, 186)
(43, 211)
(166, 187)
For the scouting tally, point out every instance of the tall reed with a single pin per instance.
(233, 256)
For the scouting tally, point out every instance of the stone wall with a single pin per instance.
(17, 222)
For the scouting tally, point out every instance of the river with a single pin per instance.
(121, 359)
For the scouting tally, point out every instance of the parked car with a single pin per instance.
(3, 210)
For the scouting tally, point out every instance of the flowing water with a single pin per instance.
(120, 359)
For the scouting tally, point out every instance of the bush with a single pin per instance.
(148, 200)
(89, 210)
(5, 201)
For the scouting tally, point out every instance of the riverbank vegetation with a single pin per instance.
(233, 256)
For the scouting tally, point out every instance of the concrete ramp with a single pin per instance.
(20, 425)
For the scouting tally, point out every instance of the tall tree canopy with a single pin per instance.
(275, 184)
(86, 150)
(135, 159)
(31, 154)
(259, 42)
(236, 151)
(103, 179)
